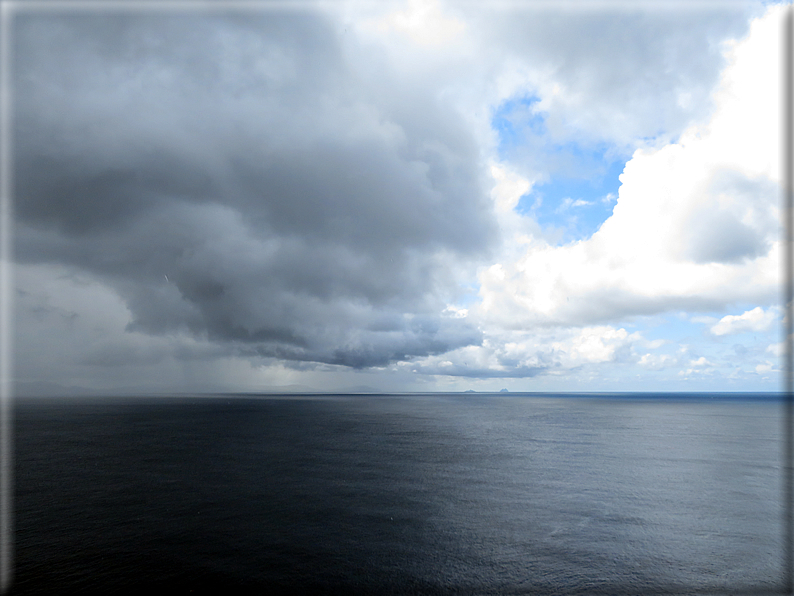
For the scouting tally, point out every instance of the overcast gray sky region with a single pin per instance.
(397, 196)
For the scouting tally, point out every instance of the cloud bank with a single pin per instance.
(286, 196)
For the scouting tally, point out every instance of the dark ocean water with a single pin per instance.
(438, 494)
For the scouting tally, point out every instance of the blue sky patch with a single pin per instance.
(515, 120)
(581, 181)
(575, 205)
(674, 327)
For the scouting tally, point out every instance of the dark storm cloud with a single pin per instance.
(237, 179)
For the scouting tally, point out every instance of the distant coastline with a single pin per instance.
(36, 390)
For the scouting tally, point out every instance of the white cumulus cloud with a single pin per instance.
(695, 225)
(756, 319)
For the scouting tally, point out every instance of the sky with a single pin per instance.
(396, 196)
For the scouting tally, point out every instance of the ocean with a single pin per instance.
(399, 494)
